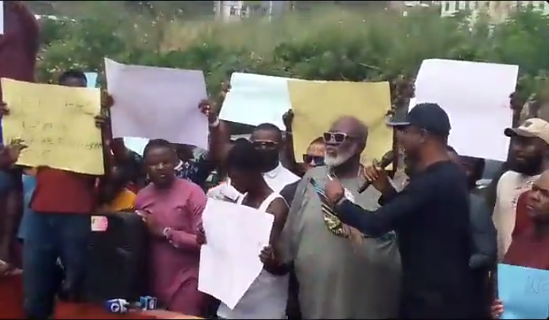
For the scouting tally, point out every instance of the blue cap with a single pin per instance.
(427, 116)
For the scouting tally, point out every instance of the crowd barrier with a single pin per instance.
(11, 306)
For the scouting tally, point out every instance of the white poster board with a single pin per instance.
(157, 103)
(476, 97)
(1, 17)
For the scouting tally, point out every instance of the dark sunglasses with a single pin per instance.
(335, 137)
(313, 160)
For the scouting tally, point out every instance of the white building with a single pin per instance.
(497, 10)
(236, 10)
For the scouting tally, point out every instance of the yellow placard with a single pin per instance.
(316, 105)
(56, 123)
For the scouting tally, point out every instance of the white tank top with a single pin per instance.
(267, 296)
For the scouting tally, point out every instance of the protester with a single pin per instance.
(224, 190)
(484, 234)
(19, 46)
(172, 209)
(313, 157)
(198, 170)
(131, 162)
(330, 257)
(529, 249)
(529, 148)
(266, 137)
(430, 217)
(267, 296)
(63, 202)
(114, 196)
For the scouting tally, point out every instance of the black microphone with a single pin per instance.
(386, 160)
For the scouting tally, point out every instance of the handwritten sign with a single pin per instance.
(57, 123)
(524, 292)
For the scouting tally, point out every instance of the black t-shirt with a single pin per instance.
(431, 219)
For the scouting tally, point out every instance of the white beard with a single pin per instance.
(338, 160)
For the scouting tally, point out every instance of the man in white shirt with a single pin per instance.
(529, 149)
(267, 138)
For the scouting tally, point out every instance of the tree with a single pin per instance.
(332, 44)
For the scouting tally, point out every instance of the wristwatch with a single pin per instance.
(167, 232)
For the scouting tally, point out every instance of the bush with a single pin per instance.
(329, 45)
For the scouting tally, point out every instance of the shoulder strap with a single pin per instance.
(265, 204)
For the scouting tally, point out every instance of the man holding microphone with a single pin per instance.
(430, 217)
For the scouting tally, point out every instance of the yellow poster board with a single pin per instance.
(316, 105)
(56, 123)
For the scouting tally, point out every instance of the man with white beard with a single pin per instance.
(341, 274)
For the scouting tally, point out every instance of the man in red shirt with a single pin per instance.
(530, 248)
(60, 229)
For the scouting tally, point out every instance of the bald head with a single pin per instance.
(538, 199)
(351, 126)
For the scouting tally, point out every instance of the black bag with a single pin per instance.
(118, 258)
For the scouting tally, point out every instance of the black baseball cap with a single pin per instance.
(427, 116)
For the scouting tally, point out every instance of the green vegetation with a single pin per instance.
(332, 44)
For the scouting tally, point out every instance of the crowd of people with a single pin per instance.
(348, 241)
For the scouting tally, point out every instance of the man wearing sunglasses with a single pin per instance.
(314, 157)
(267, 139)
(330, 257)
(430, 217)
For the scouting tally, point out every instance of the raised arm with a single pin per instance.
(220, 137)
(288, 151)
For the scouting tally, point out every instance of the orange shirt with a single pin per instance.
(124, 200)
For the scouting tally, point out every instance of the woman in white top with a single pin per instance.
(267, 296)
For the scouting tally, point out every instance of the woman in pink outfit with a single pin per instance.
(172, 209)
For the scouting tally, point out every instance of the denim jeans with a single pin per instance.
(49, 237)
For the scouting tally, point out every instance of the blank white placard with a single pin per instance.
(157, 103)
(229, 261)
(476, 97)
(1, 17)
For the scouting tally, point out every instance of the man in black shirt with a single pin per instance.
(430, 217)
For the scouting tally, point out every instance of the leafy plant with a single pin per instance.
(332, 44)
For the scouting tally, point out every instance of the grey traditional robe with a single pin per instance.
(339, 278)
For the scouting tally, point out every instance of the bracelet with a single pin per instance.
(215, 123)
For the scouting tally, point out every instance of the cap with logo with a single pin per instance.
(531, 128)
(427, 116)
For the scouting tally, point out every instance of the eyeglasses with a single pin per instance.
(335, 137)
(265, 144)
(313, 160)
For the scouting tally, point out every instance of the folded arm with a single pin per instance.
(195, 205)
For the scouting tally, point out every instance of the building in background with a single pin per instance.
(236, 10)
(498, 11)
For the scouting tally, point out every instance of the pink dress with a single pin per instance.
(174, 265)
